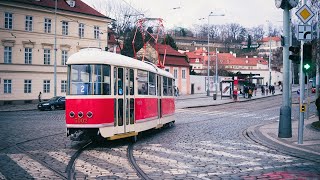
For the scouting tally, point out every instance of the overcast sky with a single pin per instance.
(248, 13)
(245, 12)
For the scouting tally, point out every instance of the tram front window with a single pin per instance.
(89, 80)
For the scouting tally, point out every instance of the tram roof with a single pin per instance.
(97, 56)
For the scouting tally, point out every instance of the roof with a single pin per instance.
(227, 58)
(173, 57)
(266, 39)
(163, 48)
(80, 7)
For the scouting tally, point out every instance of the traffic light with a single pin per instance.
(307, 57)
(295, 56)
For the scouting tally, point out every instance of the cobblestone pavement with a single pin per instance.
(205, 143)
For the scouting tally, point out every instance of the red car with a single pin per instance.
(313, 90)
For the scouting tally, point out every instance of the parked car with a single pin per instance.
(58, 102)
(313, 90)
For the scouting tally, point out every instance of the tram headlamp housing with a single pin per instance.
(89, 114)
(80, 114)
(71, 114)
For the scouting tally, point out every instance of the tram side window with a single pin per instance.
(97, 79)
(131, 82)
(81, 83)
(120, 81)
(152, 83)
(106, 80)
(165, 86)
(170, 91)
(142, 82)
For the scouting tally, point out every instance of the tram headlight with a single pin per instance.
(80, 114)
(71, 114)
(89, 114)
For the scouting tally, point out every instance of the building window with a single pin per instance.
(197, 60)
(64, 57)
(63, 86)
(8, 20)
(168, 70)
(46, 56)
(46, 86)
(81, 30)
(7, 86)
(96, 32)
(65, 25)
(28, 23)
(175, 73)
(27, 55)
(7, 55)
(183, 74)
(27, 86)
(47, 25)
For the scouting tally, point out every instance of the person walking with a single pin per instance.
(318, 106)
(39, 96)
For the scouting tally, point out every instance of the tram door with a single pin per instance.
(159, 97)
(124, 101)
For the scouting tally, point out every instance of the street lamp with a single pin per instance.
(216, 74)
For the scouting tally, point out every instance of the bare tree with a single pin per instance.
(123, 14)
(257, 32)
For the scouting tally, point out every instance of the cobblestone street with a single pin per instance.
(205, 143)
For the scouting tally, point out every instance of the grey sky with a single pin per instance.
(248, 13)
(245, 12)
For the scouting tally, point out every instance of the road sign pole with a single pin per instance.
(301, 118)
(285, 128)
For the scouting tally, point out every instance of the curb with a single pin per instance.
(254, 134)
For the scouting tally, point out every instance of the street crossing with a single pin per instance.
(239, 114)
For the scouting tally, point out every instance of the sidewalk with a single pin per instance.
(267, 134)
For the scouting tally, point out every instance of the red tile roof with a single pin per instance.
(266, 39)
(173, 57)
(80, 7)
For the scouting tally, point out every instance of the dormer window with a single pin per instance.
(71, 3)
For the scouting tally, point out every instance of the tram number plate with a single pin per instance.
(81, 121)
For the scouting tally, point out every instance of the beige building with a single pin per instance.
(27, 51)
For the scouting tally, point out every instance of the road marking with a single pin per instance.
(85, 167)
(34, 169)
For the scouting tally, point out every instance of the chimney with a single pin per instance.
(246, 56)
(234, 55)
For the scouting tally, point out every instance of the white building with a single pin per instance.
(27, 51)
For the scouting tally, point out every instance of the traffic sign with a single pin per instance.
(304, 32)
(305, 13)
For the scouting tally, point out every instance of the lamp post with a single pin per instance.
(55, 51)
(208, 84)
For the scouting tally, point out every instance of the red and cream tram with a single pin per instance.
(114, 96)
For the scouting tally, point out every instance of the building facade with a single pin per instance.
(32, 45)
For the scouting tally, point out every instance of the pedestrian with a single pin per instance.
(255, 90)
(235, 95)
(318, 106)
(177, 91)
(39, 96)
(249, 93)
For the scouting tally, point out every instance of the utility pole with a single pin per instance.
(285, 126)
(318, 53)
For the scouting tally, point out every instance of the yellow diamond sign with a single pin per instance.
(305, 13)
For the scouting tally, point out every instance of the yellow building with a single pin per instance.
(27, 51)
